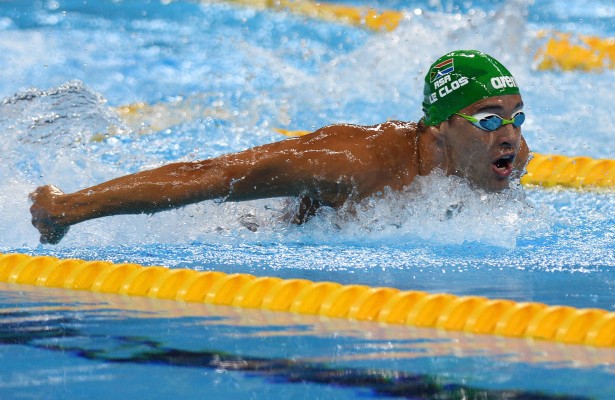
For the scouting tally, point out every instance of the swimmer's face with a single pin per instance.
(485, 158)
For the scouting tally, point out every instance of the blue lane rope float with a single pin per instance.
(472, 314)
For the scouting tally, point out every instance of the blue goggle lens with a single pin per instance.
(518, 119)
(491, 123)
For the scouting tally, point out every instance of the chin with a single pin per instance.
(490, 185)
(494, 186)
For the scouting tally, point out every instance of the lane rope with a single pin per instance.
(562, 51)
(567, 52)
(572, 172)
(387, 20)
(473, 314)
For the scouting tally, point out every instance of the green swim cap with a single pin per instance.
(461, 78)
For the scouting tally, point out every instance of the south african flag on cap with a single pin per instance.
(441, 69)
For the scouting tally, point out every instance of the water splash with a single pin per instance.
(53, 141)
(66, 116)
(50, 136)
(392, 65)
(440, 210)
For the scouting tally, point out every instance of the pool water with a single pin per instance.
(220, 78)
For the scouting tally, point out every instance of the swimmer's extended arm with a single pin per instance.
(320, 165)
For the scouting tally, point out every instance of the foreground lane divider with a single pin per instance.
(472, 314)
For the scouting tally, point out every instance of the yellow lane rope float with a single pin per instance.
(143, 118)
(366, 17)
(573, 172)
(553, 170)
(562, 51)
(566, 52)
(472, 314)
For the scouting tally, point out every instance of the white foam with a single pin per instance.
(438, 209)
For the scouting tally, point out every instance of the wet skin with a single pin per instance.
(328, 167)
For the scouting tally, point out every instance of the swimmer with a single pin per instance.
(471, 128)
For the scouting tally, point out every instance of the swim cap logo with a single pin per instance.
(441, 69)
(501, 82)
(444, 86)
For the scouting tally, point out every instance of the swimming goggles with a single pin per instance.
(491, 122)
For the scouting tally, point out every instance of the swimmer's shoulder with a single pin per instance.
(400, 127)
(388, 127)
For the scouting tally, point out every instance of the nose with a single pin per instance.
(507, 136)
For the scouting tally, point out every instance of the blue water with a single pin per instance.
(225, 76)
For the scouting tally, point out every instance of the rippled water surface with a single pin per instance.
(214, 78)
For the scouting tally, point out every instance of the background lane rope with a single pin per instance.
(575, 172)
(560, 51)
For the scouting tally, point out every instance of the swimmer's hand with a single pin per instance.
(46, 215)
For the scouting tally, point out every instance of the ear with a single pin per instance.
(434, 146)
(438, 132)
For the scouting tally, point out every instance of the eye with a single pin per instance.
(518, 119)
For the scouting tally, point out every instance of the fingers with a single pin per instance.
(42, 203)
(45, 191)
(50, 234)
(32, 196)
(54, 236)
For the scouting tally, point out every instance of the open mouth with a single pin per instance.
(503, 166)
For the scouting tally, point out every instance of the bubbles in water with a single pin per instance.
(438, 209)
